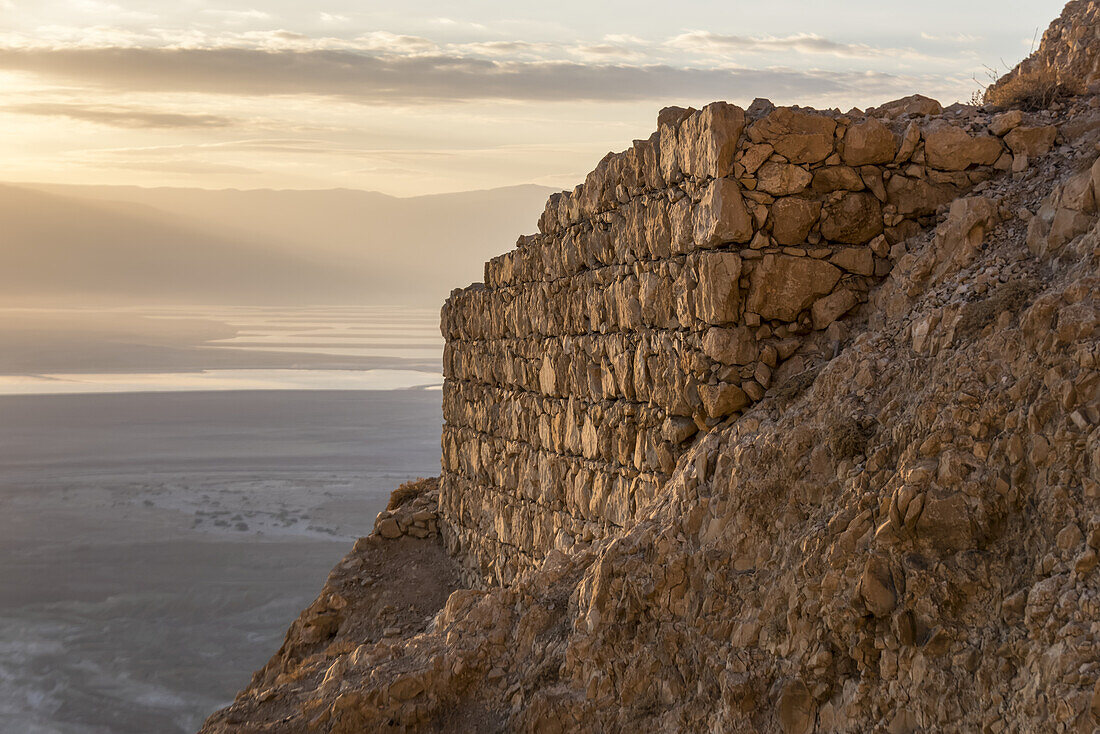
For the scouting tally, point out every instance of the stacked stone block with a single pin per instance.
(660, 297)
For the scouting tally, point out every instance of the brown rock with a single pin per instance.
(717, 299)
(858, 260)
(869, 143)
(916, 104)
(951, 148)
(853, 219)
(796, 708)
(754, 156)
(800, 137)
(792, 219)
(829, 308)
(708, 140)
(731, 346)
(406, 688)
(722, 399)
(876, 588)
(1005, 122)
(721, 215)
(916, 196)
(1031, 141)
(945, 523)
(783, 286)
(782, 179)
(389, 528)
(836, 178)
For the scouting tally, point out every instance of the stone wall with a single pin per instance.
(668, 293)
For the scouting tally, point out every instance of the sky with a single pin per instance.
(423, 97)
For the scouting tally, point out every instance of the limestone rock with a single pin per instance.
(1031, 141)
(916, 104)
(721, 215)
(718, 299)
(722, 399)
(783, 286)
(869, 143)
(731, 346)
(708, 140)
(837, 178)
(1005, 122)
(951, 148)
(782, 179)
(792, 219)
(854, 219)
(800, 137)
(829, 308)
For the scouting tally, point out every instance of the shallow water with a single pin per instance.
(155, 547)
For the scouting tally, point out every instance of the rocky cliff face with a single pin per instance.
(786, 421)
(1067, 60)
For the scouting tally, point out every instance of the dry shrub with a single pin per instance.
(1030, 90)
(851, 437)
(1011, 297)
(410, 491)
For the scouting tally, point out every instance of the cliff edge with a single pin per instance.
(785, 421)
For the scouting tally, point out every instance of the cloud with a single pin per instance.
(127, 117)
(395, 43)
(373, 78)
(952, 37)
(806, 43)
(238, 16)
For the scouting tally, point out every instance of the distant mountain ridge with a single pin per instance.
(121, 244)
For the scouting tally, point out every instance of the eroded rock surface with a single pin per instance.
(720, 459)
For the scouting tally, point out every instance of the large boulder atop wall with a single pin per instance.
(800, 137)
(916, 104)
(708, 140)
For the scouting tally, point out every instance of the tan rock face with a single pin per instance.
(800, 137)
(1006, 122)
(1031, 141)
(854, 219)
(792, 219)
(829, 308)
(722, 216)
(731, 346)
(837, 178)
(718, 298)
(722, 399)
(950, 148)
(782, 179)
(783, 286)
(917, 196)
(916, 104)
(869, 143)
(708, 141)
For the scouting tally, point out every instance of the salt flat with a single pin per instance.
(155, 546)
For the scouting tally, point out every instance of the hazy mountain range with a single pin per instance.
(105, 245)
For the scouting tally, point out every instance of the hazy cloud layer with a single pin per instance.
(368, 78)
(806, 43)
(127, 117)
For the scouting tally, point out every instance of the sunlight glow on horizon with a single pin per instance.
(430, 98)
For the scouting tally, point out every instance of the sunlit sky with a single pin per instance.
(419, 96)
